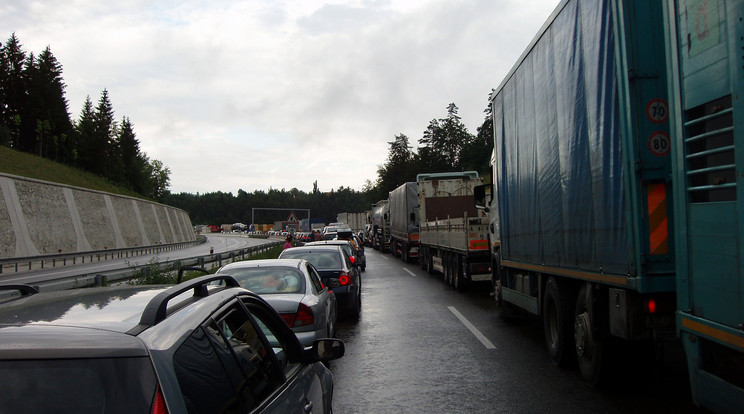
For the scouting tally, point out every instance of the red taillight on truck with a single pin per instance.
(303, 317)
(651, 306)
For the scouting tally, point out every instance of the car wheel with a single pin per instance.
(588, 344)
(357, 308)
(557, 322)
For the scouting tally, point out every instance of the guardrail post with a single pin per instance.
(101, 280)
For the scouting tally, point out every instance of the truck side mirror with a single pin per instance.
(479, 193)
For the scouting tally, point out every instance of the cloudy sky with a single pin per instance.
(260, 94)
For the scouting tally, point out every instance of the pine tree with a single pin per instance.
(132, 160)
(85, 157)
(105, 146)
(443, 141)
(12, 91)
(48, 89)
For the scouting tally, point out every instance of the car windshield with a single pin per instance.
(263, 280)
(321, 260)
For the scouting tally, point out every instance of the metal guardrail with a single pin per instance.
(24, 264)
(123, 274)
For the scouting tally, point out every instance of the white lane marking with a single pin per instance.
(472, 329)
(384, 257)
(410, 272)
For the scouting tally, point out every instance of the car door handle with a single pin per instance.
(309, 407)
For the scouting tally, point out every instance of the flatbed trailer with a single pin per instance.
(452, 232)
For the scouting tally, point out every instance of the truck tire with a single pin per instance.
(457, 281)
(446, 269)
(557, 322)
(588, 344)
(404, 252)
(430, 262)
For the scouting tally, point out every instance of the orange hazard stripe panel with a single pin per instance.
(479, 244)
(658, 227)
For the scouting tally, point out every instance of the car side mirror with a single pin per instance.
(480, 194)
(334, 283)
(328, 349)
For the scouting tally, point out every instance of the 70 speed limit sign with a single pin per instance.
(659, 143)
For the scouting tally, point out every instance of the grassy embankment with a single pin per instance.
(27, 165)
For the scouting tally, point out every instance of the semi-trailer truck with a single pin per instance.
(581, 210)
(404, 221)
(617, 178)
(706, 87)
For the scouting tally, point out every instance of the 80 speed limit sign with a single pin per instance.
(659, 143)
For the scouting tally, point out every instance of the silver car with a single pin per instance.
(294, 289)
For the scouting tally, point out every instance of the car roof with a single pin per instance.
(121, 311)
(115, 309)
(320, 247)
(294, 263)
(328, 242)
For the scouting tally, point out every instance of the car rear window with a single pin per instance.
(269, 280)
(321, 260)
(111, 385)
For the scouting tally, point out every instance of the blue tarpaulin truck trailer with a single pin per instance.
(581, 209)
(404, 221)
(706, 92)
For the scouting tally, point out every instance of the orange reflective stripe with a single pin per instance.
(658, 227)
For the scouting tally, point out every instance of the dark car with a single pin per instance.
(355, 254)
(186, 348)
(336, 270)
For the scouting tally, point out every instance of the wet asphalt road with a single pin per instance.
(412, 352)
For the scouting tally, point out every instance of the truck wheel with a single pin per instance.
(404, 252)
(446, 270)
(588, 344)
(557, 322)
(457, 281)
(430, 262)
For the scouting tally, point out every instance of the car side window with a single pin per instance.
(285, 354)
(315, 278)
(205, 385)
(236, 330)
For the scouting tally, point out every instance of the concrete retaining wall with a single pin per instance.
(42, 218)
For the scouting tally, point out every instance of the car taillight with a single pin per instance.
(344, 279)
(158, 404)
(352, 259)
(303, 317)
(289, 318)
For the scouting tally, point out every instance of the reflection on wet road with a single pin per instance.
(422, 347)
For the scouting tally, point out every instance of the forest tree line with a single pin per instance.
(445, 145)
(35, 118)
